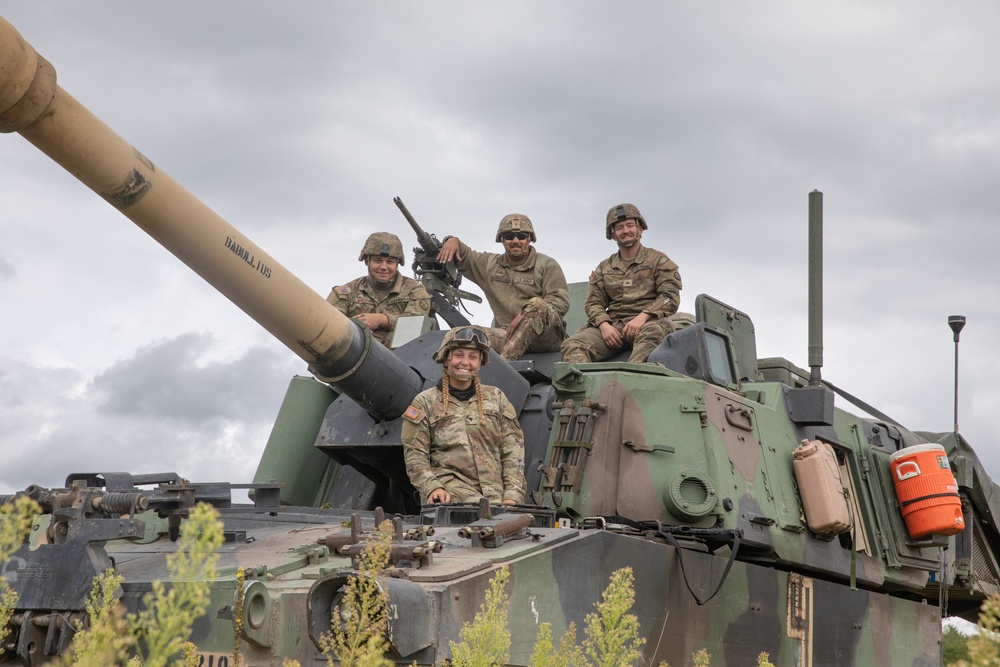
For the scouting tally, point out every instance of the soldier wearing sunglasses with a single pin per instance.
(526, 290)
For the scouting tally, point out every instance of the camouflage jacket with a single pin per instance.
(620, 290)
(405, 297)
(508, 287)
(454, 451)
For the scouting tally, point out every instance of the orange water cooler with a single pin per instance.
(927, 491)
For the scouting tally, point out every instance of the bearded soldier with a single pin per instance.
(377, 299)
(526, 290)
(632, 295)
(461, 439)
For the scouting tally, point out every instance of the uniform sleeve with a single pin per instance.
(474, 265)
(512, 454)
(596, 305)
(555, 291)
(668, 289)
(418, 303)
(416, 437)
(340, 298)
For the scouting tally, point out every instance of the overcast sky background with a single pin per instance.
(299, 122)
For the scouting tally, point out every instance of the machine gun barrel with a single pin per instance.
(32, 104)
(427, 241)
(440, 280)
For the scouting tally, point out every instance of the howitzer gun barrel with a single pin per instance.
(32, 104)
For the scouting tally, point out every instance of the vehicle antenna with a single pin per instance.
(956, 322)
(815, 287)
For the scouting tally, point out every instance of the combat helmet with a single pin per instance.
(383, 244)
(516, 222)
(471, 337)
(623, 212)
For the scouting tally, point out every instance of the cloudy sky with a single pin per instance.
(299, 122)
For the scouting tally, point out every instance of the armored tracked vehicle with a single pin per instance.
(704, 470)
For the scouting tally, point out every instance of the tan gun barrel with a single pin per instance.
(32, 104)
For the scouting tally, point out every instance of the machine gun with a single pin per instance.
(441, 280)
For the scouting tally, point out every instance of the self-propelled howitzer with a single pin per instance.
(681, 469)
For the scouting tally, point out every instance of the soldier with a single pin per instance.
(632, 295)
(526, 290)
(461, 438)
(377, 299)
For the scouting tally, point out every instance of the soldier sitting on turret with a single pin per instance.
(379, 298)
(632, 295)
(526, 290)
(461, 439)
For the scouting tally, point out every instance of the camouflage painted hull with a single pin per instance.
(556, 577)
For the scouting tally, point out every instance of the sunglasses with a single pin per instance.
(520, 236)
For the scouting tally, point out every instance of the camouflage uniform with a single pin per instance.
(455, 450)
(620, 290)
(536, 289)
(404, 297)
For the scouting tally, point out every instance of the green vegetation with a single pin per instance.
(107, 640)
(159, 632)
(612, 633)
(15, 525)
(165, 623)
(360, 622)
(981, 649)
(954, 646)
(238, 615)
(569, 654)
(486, 639)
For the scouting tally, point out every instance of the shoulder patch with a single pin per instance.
(593, 276)
(413, 414)
(342, 290)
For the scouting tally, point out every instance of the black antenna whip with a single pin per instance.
(956, 322)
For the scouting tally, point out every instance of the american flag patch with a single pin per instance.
(413, 413)
(341, 290)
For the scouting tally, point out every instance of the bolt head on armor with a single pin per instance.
(383, 244)
(516, 222)
(472, 337)
(621, 213)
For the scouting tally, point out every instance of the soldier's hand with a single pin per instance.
(449, 250)
(439, 495)
(373, 320)
(610, 335)
(631, 328)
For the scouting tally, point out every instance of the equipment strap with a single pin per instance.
(725, 573)
(933, 495)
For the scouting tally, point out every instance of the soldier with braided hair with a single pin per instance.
(461, 439)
